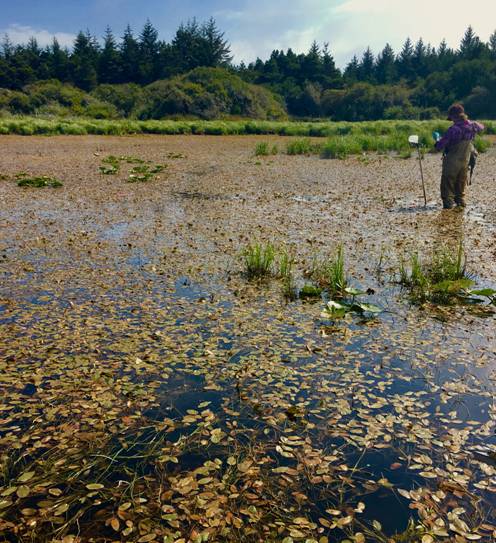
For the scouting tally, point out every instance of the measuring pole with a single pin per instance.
(422, 175)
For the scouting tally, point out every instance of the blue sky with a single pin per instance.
(256, 27)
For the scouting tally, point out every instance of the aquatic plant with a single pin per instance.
(141, 172)
(110, 165)
(285, 263)
(259, 260)
(310, 291)
(443, 279)
(330, 273)
(350, 303)
(144, 172)
(40, 181)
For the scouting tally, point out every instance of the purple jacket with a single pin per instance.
(457, 132)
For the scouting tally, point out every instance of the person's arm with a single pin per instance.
(479, 127)
(448, 138)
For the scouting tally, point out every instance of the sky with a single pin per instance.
(256, 27)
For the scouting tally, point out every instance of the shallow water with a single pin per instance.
(124, 306)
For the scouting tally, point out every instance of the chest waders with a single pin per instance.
(455, 174)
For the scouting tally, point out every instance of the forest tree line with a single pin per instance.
(420, 81)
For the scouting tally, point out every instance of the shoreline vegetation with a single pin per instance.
(341, 138)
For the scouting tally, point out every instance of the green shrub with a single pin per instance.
(123, 97)
(208, 93)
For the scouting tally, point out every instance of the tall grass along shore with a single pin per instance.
(343, 138)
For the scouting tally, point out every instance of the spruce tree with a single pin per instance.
(148, 49)
(311, 68)
(84, 61)
(366, 67)
(59, 61)
(186, 46)
(419, 59)
(470, 46)
(492, 45)
(7, 47)
(109, 69)
(129, 57)
(215, 49)
(385, 68)
(351, 72)
(331, 74)
(405, 61)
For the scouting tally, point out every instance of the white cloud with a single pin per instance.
(376, 22)
(20, 34)
(258, 27)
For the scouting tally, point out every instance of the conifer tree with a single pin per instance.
(366, 67)
(331, 74)
(405, 61)
(470, 46)
(109, 69)
(492, 45)
(84, 60)
(215, 49)
(351, 72)
(58, 61)
(148, 49)
(129, 57)
(419, 59)
(186, 44)
(311, 68)
(385, 68)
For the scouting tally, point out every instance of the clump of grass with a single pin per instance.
(24, 180)
(285, 264)
(262, 149)
(285, 272)
(344, 146)
(330, 273)
(259, 260)
(290, 290)
(481, 144)
(302, 147)
(441, 280)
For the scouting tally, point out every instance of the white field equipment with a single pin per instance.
(414, 141)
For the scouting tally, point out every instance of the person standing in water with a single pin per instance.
(457, 145)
